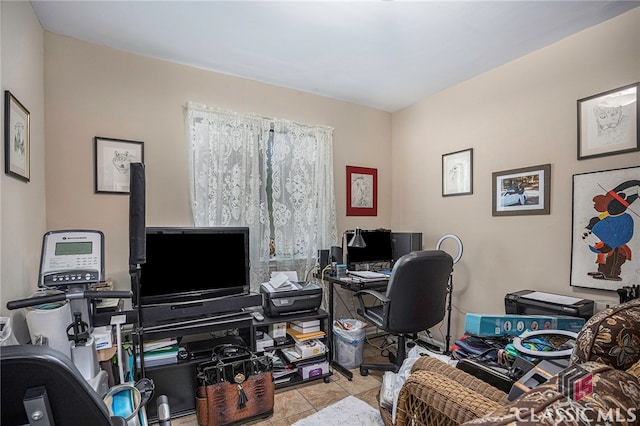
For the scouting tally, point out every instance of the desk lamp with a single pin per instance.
(357, 240)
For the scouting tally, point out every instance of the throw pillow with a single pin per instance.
(612, 337)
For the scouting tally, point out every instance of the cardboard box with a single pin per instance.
(313, 370)
(502, 325)
(310, 348)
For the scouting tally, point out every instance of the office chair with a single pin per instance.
(45, 383)
(414, 301)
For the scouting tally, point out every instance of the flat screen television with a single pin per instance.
(379, 248)
(194, 264)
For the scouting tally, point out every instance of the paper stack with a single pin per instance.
(283, 371)
(308, 326)
(159, 352)
(301, 337)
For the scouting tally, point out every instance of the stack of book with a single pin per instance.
(305, 330)
(306, 326)
(159, 352)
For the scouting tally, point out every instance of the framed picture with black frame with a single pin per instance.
(17, 138)
(112, 159)
(524, 191)
(457, 173)
(608, 123)
(605, 229)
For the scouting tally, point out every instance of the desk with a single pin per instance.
(354, 286)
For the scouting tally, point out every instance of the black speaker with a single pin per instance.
(335, 254)
(405, 243)
(137, 232)
(323, 258)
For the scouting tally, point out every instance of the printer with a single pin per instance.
(298, 297)
(529, 302)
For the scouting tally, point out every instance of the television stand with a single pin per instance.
(163, 312)
(194, 321)
(177, 379)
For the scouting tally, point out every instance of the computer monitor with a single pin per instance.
(379, 249)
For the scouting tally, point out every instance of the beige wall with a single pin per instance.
(521, 114)
(97, 91)
(23, 204)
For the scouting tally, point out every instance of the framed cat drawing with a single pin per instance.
(112, 159)
(608, 123)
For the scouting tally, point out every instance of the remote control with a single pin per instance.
(258, 316)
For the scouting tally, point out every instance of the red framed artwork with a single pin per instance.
(362, 191)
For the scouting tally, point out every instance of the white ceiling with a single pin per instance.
(382, 54)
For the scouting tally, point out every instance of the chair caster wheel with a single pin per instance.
(364, 371)
(327, 380)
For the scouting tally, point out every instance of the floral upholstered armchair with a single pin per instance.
(607, 347)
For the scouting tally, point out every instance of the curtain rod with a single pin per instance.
(219, 110)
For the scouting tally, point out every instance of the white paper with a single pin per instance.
(369, 275)
(285, 287)
(291, 275)
(552, 298)
(278, 279)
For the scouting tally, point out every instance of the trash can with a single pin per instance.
(348, 338)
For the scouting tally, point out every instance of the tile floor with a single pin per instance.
(297, 402)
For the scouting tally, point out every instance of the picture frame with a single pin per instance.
(605, 229)
(524, 191)
(362, 191)
(112, 158)
(17, 138)
(608, 123)
(457, 173)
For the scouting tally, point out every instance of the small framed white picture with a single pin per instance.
(608, 123)
(457, 173)
(112, 160)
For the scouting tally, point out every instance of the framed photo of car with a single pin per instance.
(524, 191)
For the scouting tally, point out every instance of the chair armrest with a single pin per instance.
(381, 297)
(379, 317)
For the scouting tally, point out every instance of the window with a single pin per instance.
(274, 176)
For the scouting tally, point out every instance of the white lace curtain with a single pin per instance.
(228, 166)
(304, 212)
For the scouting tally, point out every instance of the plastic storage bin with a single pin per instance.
(348, 337)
